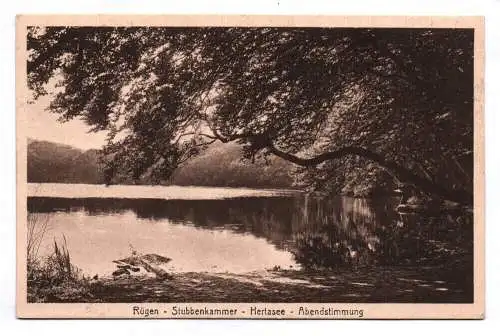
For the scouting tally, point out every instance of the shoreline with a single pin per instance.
(61, 190)
(395, 284)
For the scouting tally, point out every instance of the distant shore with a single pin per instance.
(64, 190)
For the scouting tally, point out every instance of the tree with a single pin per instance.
(401, 98)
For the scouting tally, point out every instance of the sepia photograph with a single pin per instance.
(316, 166)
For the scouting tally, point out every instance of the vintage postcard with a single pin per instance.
(250, 167)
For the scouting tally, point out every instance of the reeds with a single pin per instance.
(38, 226)
(52, 277)
(61, 262)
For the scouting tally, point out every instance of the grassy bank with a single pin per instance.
(52, 277)
(55, 278)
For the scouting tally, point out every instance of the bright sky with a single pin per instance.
(43, 125)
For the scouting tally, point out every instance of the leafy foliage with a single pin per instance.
(402, 98)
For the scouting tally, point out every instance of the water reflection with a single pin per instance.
(320, 233)
(357, 232)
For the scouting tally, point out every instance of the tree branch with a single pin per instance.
(195, 133)
(403, 174)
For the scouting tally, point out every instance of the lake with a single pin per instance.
(237, 230)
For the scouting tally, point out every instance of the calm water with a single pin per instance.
(242, 230)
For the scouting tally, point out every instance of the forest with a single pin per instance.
(220, 165)
(351, 109)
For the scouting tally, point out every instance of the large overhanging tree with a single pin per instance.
(401, 98)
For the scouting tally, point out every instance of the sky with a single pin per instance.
(43, 125)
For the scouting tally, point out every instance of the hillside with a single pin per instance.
(219, 165)
(58, 163)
